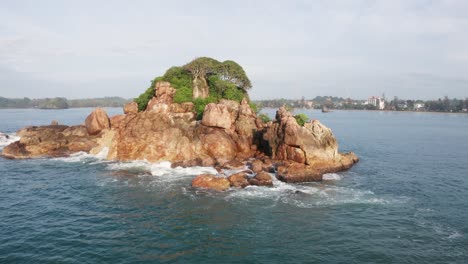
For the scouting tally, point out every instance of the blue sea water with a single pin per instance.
(405, 202)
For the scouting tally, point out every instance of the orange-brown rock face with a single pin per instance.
(130, 108)
(50, 141)
(304, 144)
(169, 131)
(209, 181)
(312, 149)
(238, 180)
(166, 131)
(97, 121)
(262, 179)
(298, 172)
(217, 115)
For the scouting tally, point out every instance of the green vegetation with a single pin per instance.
(301, 119)
(144, 98)
(264, 118)
(225, 80)
(54, 103)
(61, 103)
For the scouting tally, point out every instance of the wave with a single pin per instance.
(83, 157)
(7, 138)
(309, 195)
(331, 177)
(162, 169)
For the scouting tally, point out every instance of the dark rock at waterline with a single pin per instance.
(50, 141)
(239, 180)
(297, 172)
(261, 179)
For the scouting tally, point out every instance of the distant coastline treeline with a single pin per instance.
(446, 104)
(61, 102)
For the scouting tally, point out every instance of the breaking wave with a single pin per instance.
(307, 195)
(7, 139)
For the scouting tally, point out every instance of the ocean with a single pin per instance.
(406, 201)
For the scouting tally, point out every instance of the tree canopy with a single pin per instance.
(225, 80)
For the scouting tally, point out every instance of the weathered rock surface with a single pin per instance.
(228, 136)
(239, 180)
(97, 121)
(261, 179)
(131, 108)
(308, 144)
(209, 181)
(299, 172)
(50, 141)
(257, 166)
(217, 115)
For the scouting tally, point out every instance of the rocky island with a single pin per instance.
(197, 115)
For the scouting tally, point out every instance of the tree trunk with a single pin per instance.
(200, 88)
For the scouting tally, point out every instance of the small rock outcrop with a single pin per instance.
(50, 141)
(261, 179)
(209, 181)
(97, 121)
(130, 108)
(239, 180)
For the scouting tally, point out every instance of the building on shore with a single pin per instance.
(376, 101)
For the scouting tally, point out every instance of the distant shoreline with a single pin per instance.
(367, 110)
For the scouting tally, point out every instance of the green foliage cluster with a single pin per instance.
(54, 103)
(61, 103)
(226, 80)
(264, 118)
(301, 119)
(144, 98)
(228, 70)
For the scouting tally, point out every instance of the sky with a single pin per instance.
(289, 49)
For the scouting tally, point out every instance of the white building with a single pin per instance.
(418, 106)
(376, 101)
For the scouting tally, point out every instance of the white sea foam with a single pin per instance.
(84, 157)
(7, 139)
(454, 235)
(308, 195)
(161, 169)
(331, 177)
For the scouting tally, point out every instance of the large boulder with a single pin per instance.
(97, 121)
(257, 166)
(131, 108)
(163, 96)
(261, 179)
(209, 181)
(217, 143)
(217, 115)
(239, 180)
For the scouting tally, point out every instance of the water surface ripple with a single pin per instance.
(405, 202)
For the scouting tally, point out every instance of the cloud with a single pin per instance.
(311, 47)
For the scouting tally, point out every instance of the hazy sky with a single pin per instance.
(289, 49)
